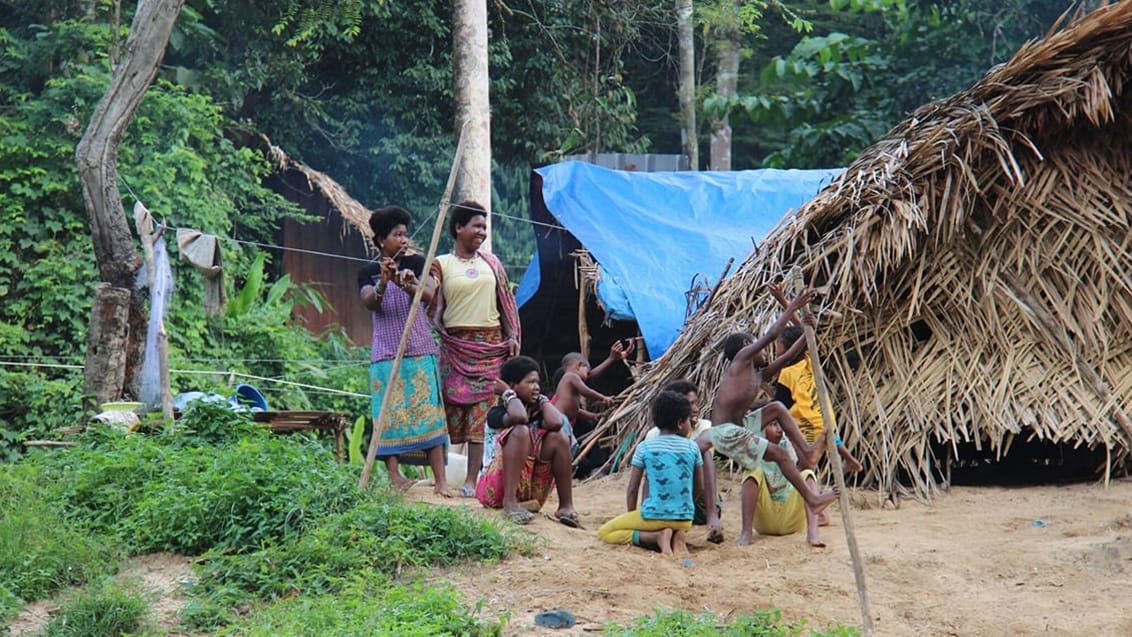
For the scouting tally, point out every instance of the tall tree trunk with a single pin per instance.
(686, 88)
(726, 42)
(473, 108)
(97, 159)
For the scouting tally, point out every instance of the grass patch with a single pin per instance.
(683, 623)
(380, 536)
(371, 606)
(40, 553)
(105, 608)
(188, 493)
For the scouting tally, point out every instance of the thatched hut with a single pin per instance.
(327, 253)
(976, 265)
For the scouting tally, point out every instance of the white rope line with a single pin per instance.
(328, 390)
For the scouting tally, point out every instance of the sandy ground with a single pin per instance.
(979, 561)
(1053, 560)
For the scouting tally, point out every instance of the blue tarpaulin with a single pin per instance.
(653, 232)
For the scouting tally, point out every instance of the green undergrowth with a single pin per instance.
(684, 623)
(197, 487)
(101, 608)
(281, 528)
(40, 554)
(369, 606)
(383, 537)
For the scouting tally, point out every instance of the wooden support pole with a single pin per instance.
(838, 475)
(414, 307)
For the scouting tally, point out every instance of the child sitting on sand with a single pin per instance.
(770, 504)
(699, 426)
(533, 456)
(674, 467)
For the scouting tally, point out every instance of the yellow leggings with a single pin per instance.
(624, 528)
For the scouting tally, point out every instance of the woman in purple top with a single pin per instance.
(416, 429)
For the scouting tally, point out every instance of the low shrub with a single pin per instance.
(369, 606)
(684, 623)
(104, 608)
(379, 536)
(39, 552)
(166, 493)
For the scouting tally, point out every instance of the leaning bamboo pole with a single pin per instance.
(414, 307)
(831, 437)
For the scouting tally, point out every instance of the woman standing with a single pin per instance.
(415, 431)
(475, 314)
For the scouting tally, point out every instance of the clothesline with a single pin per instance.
(311, 361)
(347, 257)
(279, 381)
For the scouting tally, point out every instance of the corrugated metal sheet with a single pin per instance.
(648, 163)
(331, 274)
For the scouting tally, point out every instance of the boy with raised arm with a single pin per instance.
(738, 388)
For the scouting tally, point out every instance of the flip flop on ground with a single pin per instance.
(521, 516)
(566, 519)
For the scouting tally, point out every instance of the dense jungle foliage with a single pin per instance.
(362, 90)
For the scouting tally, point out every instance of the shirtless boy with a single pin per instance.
(738, 388)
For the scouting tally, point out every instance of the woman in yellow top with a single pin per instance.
(476, 317)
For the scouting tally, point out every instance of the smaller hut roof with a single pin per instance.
(355, 214)
(975, 263)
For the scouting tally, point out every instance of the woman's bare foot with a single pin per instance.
(442, 491)
(664, 541)
(679, 546)
(744, 539)
(400, 482)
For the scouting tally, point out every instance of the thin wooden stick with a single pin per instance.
(395, 370)
(835, 462)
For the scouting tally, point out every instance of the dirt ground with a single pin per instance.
(979, 561)
(1053, 560)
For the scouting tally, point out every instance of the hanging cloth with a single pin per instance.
(202, 251)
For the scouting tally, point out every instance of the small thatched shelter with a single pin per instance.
(977, 270)
(325, 254)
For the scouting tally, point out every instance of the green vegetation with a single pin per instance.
(369, 606)
(683, 623)
(102, 608)
(39, 553)
(275, 518)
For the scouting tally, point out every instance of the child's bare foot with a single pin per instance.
(814, 540)
(823, 518)
(819, 502)
(744, 539)
(664, 541)
(679, 546)
(851, 465)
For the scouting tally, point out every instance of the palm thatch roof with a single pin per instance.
(355, 214)
(976, 265)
